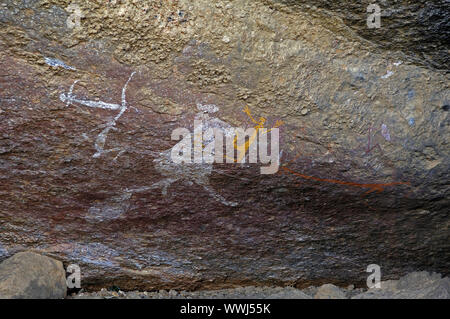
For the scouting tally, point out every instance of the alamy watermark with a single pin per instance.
(374, 16)
(374, 279)
(74, 279)
(205, 145)
(74, 19)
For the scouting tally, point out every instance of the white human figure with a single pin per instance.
(101, 138)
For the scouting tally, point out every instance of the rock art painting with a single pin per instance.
(192, 173)
(187, 173)
(100, 141)
(89, 171)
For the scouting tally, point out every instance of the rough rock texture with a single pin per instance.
(86, 119)
(28, 275)
(419, 29)
(416, 285)
(329, 291)
(234, 293)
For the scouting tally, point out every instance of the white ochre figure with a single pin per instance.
(190, 173)
(111, 125)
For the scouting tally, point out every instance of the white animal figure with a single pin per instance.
(190, 173)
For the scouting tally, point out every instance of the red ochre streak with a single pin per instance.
(372, 187)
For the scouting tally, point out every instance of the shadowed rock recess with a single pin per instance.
(87, 111)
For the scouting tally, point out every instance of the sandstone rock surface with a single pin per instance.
(87, 112)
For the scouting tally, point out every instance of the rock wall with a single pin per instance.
(418, 29)
(87, 114)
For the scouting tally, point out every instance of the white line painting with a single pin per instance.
(193, 173)
(187, 173)
(100, 141)
(58, 63)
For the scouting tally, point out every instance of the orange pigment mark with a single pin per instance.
(372, 187)
(242, 149)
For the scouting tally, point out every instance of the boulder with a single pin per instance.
(329, 291)
(28, 275)
(289, 293)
